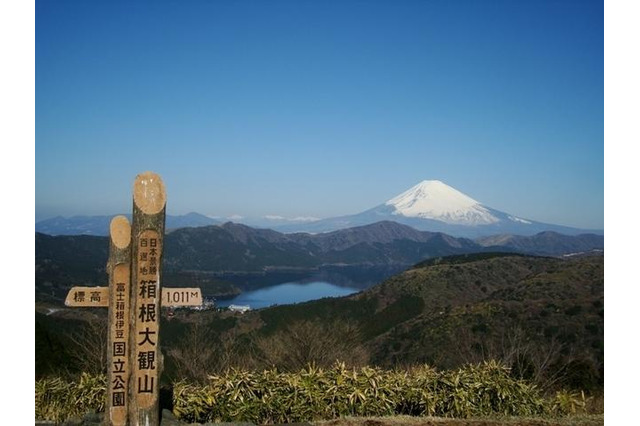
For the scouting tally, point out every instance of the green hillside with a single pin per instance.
(543, 317)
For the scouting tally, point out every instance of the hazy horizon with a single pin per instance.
(250, 219)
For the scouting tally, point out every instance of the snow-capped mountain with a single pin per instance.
(432, 199)
(434, 206)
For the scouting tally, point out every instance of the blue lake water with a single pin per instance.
(288, 293)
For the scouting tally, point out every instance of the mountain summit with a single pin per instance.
(433, 199)
(434, 206)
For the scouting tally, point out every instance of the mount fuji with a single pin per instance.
(435, 206)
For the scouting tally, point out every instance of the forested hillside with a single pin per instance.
(543, 317)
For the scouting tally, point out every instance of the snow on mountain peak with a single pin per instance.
(433, 199)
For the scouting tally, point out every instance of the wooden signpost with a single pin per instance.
(134, 298)
(149, 203)
(118, 370)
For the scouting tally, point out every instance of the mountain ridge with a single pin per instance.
(431, 205)
(65, 260)
(434, 206)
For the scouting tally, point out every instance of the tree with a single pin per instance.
(534, 360)
(200, 352)
(311, 342)
(89, 346)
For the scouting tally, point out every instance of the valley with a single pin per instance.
(544, 317)
(227, 259)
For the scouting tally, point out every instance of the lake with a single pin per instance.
(280, 289)
(288, 293)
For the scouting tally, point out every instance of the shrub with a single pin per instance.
(317, 394)
(58, 400)
(271, 396)
(566, 402)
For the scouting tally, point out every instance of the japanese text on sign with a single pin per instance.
(147, 316)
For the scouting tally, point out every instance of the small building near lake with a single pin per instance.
(239, 308)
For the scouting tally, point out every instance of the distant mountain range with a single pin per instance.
(434, 206)
(99, 225)
(430, 206)
(384, 242)
(62, 261)
(241, 248)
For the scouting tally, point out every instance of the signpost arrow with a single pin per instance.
(98, 297)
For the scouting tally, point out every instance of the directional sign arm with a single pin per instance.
(98, 297)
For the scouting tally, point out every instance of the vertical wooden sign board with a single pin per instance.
(119, 269)
(149, 201)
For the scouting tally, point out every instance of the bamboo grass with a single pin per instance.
(314, 394)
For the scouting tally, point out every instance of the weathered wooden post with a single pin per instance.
(118, 370)
(149, 202)
(134, 298)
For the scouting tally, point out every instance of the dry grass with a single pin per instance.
(577, 420)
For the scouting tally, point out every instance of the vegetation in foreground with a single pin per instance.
(541, 317)
(315, 394)
(571, 420)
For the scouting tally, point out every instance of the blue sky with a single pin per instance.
(320, 108)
